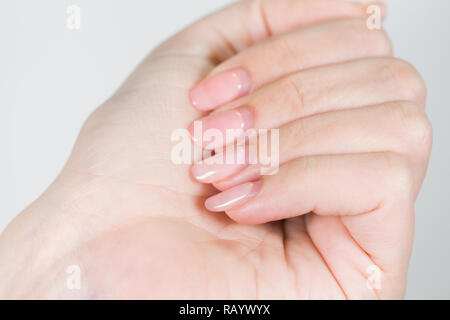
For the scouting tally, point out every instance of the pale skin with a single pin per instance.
(354, 146)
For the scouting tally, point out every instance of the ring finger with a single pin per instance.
(400, 127)
(341, 86)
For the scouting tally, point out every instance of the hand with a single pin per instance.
(354, 143)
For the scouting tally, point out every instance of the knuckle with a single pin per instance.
(405, 79)
(285, 47)
(415, 126)
(381, 44)
(401, 175)
(299, 96)
(384, 42)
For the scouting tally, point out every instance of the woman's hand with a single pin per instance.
(354, 144)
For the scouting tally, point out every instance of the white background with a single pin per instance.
(51, 78)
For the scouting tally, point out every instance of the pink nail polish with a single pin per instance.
(221, 128)
(249, 173)
(220, 89)
(221, 165)
(234, 197)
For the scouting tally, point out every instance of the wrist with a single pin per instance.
(37, 238)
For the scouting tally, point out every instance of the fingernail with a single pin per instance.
(211, 132)
(249, 173)
(221, 165)
(220, 89)
(234, 197)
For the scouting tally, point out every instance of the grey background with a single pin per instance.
(51, 78)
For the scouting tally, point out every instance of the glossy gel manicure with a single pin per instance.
(234, 197)
(220, 88)
(224, 127)
(221, 165)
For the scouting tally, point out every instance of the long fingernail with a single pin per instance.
(221, 166)
(220, 89)
(249, 173)
(224, 127)
(234, 197)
